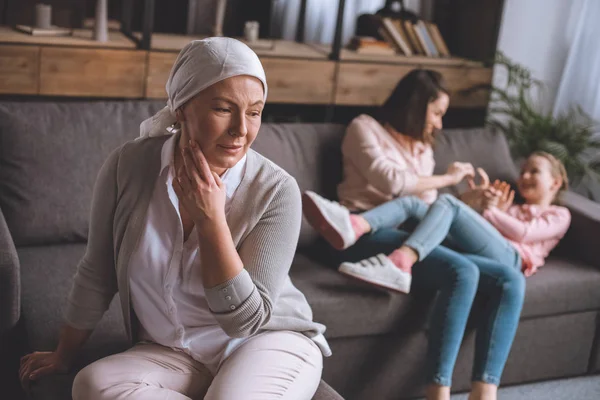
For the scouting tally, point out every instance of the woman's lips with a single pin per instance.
(231, 149)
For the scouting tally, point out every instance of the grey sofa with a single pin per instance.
(51, 152)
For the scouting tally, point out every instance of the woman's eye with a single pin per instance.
(222, 109)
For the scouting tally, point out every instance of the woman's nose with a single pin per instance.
(239, 127)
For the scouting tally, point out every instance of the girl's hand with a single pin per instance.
(39, 364)
(491, 198)
(457, 171)
(200, 190)
(507, 195)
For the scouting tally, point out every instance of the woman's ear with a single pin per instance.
(179, 115)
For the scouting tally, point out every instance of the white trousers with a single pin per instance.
(273, 365)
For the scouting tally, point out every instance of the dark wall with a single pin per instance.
(170, 15)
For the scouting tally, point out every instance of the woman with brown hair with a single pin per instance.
(391, 160)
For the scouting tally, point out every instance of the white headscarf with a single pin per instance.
(200, 64)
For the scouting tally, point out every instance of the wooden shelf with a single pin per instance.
(80, 38)
(281, 48)
(297, 73)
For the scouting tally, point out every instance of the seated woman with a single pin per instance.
(518, 235)
(196, 232)
(391, 158)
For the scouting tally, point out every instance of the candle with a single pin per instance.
(251, 31)
(43, 16)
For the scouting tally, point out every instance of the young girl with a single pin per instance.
(516, 235)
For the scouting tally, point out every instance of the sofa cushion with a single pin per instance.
(46, 278)
(50, 154)
(482, 147)
(350, 307)
(310, 153)
(561, 287)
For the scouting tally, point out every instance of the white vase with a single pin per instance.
(101, 25)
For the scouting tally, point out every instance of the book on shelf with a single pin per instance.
(425, 39)
(437, 38)
(52, 31)
(414, 40)
(370, 45)
(389, 31)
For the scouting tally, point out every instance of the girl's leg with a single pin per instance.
(470, 232)
(505, 287)
(395, 212)
(456, 279)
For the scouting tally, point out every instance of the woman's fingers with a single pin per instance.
(183, 181)
(40, 372)
(485, 179)
(471, 183)
(203, 166)
(191, 168)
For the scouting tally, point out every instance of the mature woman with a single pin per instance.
(390, 158)
(196, 232)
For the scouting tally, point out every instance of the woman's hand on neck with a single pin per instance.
(178, 160)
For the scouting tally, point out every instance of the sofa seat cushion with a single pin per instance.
(46, 277)
(50, 155)
(561, 287)
(349, 307)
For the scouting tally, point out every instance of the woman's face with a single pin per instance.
(435, 111)
(224, 120)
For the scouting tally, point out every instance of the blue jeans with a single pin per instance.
(447, 217)
(457, 278)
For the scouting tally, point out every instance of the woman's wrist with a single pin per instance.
(211, 227)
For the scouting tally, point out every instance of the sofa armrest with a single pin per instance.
(10, 280)
(582, 239)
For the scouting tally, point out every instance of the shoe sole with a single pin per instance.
(375, 282)
(317, 220)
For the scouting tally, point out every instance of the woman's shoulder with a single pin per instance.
(364, 127)
(364, 121)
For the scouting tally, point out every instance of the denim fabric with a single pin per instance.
(395, 212)
(457, 278)
(470, 232)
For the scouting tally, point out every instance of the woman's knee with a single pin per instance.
(86, 384)
(448, 199)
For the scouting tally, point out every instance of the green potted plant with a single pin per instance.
(568, 136)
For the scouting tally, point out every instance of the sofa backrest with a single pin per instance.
(51, 152)
(50, 155)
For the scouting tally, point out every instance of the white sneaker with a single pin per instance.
(330, 219)
(379, 270)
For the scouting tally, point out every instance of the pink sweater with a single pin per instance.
(379, 168)
(533, 231)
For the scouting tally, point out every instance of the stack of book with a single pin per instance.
(421, 38)
(370, 45)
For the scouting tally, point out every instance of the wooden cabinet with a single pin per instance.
(159, 68)
(299, 81)
(297, 73)
(92, 72)
(19, 69)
